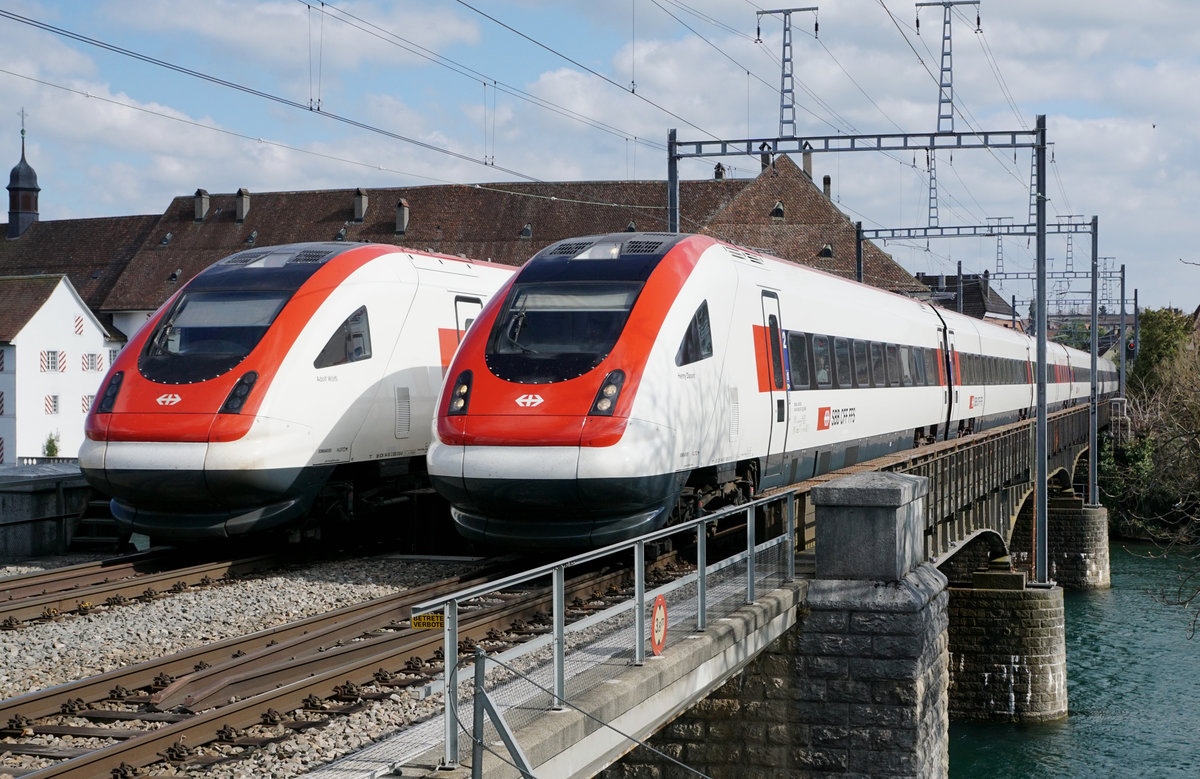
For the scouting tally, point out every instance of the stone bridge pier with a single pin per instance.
(859, 685)
(889, 650)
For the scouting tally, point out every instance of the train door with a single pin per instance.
(776, 387)
(951, 393)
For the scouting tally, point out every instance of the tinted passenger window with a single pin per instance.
(697, 341)
(878, 376)
(841, 355)
(862, 367)
(776, 351)
(906, 372)
(821, 360)
(798, 360)
(893, 365)
(350, 343)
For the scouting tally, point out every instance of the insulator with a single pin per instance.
(758, 32)
(816, 29)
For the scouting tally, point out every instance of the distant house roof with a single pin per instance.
(20, 299)
(506, 223)
(811, 230)
(979, 299)
(90, 252)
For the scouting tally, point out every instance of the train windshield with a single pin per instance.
(554, 331)
(206, 333)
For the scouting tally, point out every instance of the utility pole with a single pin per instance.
(1122, 330)
(945, 120)
(1041, 447)
(1093, 410)
(787, 83)
(1137, 333)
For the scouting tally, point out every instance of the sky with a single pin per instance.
(129, 103)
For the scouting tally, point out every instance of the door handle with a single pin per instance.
(780, 411)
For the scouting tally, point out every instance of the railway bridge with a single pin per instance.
(867, 608)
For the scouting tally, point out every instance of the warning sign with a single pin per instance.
(658, 625)
(432, 621)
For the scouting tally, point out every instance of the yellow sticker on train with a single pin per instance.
(429, 621)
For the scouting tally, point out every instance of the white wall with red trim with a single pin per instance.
(61, 352)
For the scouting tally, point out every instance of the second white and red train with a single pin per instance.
(619, 378)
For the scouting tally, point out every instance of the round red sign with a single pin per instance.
(658, 625)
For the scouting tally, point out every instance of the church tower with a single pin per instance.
(22, 194)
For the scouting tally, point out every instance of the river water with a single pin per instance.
(1133, 686)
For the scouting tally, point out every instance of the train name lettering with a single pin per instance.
(828, 417)
(327, 378)
(686, 375)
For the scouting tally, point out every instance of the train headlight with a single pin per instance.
(237, 396)
(610, 391)
(460, 395)
(109, 397)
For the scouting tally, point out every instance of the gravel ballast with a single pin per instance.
(44, 654)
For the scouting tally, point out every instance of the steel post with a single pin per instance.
(1122, 330)
(1041, 568)
(672, 184)
(639, 596)
(750, 544)
(1093, 409)
(701, 577)
(450, 678)
(559, 579)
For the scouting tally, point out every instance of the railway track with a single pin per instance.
(219, 695)
(81, 588)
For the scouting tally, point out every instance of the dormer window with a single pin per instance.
(777, 211)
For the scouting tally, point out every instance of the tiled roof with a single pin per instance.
(975, 302)
(483, 222)
(809, 222)
(90, 252)
(20, 299)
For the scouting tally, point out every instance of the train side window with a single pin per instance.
(893, 365)
(878, 378)
(821, 360)
(862, 367)
(841, 357)
(931, 366)
(776, 351)
(351, 342)
(918, 366)
(697, 341)
(798, 361)
(906, 373)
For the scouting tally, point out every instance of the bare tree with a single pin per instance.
(1152, 482)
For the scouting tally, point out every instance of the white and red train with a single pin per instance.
(618, 378)
(278, 383)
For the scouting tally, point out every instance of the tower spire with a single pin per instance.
(22, 192)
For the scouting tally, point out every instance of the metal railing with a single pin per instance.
(961, 473)
(701, 582)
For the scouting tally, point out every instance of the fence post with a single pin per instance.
(450, 680)
(560, 646)
(639, 590)
(750, 544)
